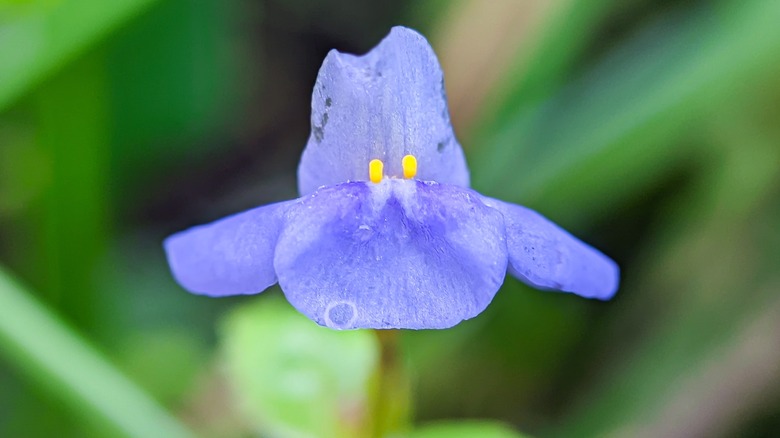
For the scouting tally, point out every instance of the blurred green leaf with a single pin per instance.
(562, 41)
(708, 271)
(179, 85)
(294, 378)
(69, 227)
(49, 353)
(605, 135)
(164, 362)
(663, 368)
(466, 429)
(25, 169)
(37, 41)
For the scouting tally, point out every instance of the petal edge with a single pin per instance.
(545, 256)
(231, 256)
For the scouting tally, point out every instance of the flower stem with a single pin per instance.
(392, 397)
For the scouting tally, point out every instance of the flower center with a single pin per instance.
(376, 168)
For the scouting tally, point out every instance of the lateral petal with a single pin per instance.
(544, 255)
(231, 256)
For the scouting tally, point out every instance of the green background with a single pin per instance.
(650, 128)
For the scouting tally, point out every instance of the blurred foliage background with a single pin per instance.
(650, 128)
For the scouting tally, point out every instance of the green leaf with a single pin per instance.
(165, 362)
(44, 349)
(36, 40)
(466, 429)
(295, 378)
(611, 131)
(715, 322)
(185, 65)
(563, 39)
(65, 243)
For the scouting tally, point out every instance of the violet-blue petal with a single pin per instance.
(384, 105)
(231, 256)
(544, 255)
(398, 254)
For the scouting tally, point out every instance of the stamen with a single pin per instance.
(409, 163)
(375, 170)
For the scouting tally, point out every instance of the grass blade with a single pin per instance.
(46, 350)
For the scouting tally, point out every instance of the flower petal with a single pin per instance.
(398, 254)
(231, 256)
(385, 104)
(546, 256)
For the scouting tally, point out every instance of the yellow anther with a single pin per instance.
(375, 170)
(409, 164)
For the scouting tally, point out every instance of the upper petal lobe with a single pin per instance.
(386, 104)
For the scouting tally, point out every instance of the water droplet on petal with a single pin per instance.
(340, 314)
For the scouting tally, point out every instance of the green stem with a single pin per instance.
(44, 349)
(392, 401)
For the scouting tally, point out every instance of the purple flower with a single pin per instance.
(386, 233)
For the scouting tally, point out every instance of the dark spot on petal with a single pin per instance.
(440, 147)
(444, 111)
(328, 102)
(318, 133)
